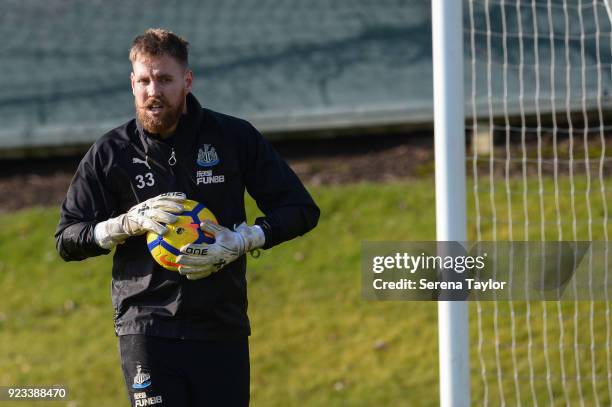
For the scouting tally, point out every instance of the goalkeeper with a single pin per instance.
(183, 337)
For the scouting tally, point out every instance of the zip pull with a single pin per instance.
(172, 159)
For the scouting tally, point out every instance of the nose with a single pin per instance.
(154, 89)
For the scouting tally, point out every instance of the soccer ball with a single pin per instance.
(165, 248)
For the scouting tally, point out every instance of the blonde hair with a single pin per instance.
(159, 42)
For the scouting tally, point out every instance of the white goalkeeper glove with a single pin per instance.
(201, 260)
(150, 215)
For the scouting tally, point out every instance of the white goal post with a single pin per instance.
(538, 107)
(447, 39)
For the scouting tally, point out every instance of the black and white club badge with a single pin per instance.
(142, 379)
(207, 156)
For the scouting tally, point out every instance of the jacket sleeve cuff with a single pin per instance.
(77, 242)
(265, 226)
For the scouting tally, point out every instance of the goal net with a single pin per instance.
(539, 108)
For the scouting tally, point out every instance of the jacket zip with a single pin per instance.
(172, 159)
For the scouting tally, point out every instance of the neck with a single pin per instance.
(169, 132)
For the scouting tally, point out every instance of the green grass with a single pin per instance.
(314, 342)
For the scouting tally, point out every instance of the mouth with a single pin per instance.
(155, 107)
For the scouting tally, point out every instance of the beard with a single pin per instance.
(162, 123)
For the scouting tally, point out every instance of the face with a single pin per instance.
(160, 85)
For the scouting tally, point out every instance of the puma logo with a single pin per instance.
(139, 161)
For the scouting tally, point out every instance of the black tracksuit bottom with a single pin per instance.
(173, 372)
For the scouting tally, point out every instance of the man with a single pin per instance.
(183, 337)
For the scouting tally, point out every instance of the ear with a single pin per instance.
(132, 82)
(188, 80)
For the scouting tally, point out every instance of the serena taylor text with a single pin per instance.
(424, 284)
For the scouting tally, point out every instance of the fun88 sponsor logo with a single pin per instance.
(141, 400)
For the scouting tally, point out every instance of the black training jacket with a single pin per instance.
(215, 158)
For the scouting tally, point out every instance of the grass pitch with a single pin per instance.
(314, 342)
